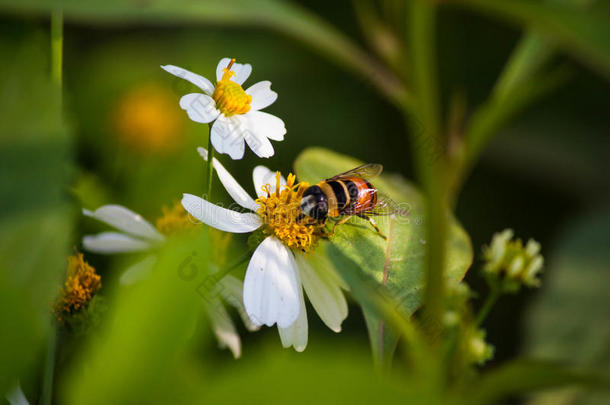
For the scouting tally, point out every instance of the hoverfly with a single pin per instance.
(349, 194)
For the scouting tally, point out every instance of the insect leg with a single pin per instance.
(372, 221)
(339, 222)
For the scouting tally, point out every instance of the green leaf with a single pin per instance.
(395, 264)
(568, 321)
(148, 328)
(522, 376)
(35, 217)
(583, 33)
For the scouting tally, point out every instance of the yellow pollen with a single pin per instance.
(229, 96)
(81, 285)
(174, 220)
(282, 217)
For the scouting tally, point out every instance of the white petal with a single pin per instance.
(218, 217)
(324, 294)
(139, 271)
(228, 136)
(235, 190)
(199, 107)
(114, 242)
(222, 325)
(266, 125)
(232, 292)
(259, 143)
(262, 95)
(296, 334)
(271, 287)
(199, 81)
(124, 220)
(16, 396)
(242, 71)
(262, 176)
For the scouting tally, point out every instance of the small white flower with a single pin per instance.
(138, 235)
(279, 269)
(235, 112)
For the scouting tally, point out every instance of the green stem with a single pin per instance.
(57, 39)
(210, 165)
(56, 77)
(489, 303)
(49, 368)
(430, 158)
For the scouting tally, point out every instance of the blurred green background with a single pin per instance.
(125, 140)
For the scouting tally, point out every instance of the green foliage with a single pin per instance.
(581, 31)
(148, 327)
(569, 319)
(35, 220)
(395, 264)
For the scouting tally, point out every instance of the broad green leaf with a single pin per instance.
(148, 327)
(396, 264)
(524, 376)
(583, 33)
(35, 218)
(568, 320)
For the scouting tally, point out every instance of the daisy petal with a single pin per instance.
(228, 136)
(218, 217)
(324, 294)
(232, 292)
(296, 334)
(16, 396)
(259, 144)
(264, 124)
(199, 107)
(114, 242)
(235, 190)
(223, 326)
(242, 71)
(262, 95)
(124, 220)
(271, 287)
(262, 176)
(139, 271)
(199, 81)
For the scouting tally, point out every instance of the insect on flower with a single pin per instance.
(285, 263)
(349, 194)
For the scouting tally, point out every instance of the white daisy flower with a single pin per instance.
(138, 235)
(281, 265)
(235, 111)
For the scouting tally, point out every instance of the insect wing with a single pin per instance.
(366, 171)
(386, 206)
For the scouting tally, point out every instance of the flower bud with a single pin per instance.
(510, 263)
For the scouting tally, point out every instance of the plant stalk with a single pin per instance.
(57, 39)
(210, 165)
(49, 368)
(429, 153)
(489, 303)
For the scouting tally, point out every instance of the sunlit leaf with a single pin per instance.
(148, 327)
(397, 263)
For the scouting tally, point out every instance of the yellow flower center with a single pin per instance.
(81, 285)
(282, 216)
(229, 96)
(174, 220)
